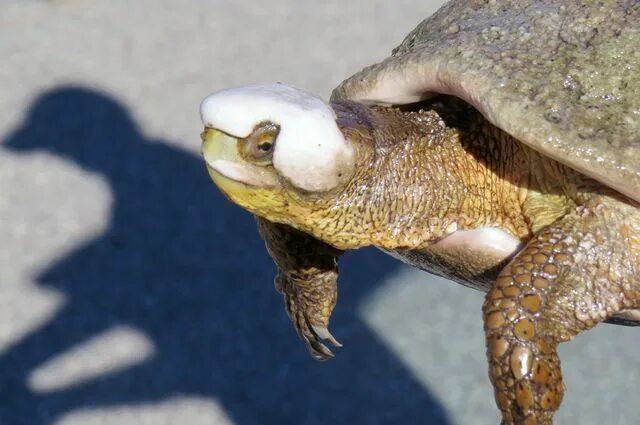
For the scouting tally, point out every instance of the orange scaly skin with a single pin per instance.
(573, 274)
(423, 175)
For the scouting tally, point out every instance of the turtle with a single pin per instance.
(498, 145)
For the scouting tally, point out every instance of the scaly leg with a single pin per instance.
(307, 278)
(574, 274)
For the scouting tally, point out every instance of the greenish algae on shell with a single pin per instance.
(561, 76)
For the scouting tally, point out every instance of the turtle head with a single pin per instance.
(349, 174)
(276, 151)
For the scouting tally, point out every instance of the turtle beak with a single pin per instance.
(225, 165)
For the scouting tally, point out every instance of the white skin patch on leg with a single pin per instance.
(486, 240)
(469, 257)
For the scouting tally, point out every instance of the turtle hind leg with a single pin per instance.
(573, 274)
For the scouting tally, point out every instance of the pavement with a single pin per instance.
(134, 293)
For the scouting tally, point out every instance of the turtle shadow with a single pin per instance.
(184, 266)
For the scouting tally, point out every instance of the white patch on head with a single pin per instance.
(244, 173)
(493, 240)
(310, 149)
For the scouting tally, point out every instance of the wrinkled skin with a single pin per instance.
(422, 175)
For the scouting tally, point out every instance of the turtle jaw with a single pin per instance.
(255, 188)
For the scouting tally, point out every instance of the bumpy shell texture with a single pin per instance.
(562, 76)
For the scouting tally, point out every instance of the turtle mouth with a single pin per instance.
(226, 166)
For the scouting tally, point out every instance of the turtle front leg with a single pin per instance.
(574, 274)
(307, 278)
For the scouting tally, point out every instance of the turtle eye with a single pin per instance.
(259, 145)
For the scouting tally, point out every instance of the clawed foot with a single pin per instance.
(309, 308)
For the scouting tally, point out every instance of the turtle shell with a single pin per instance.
(562, 76)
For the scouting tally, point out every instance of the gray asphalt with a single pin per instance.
(134, 293)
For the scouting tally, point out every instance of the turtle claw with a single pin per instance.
(314, 337)
(323, 333)
(318, 350)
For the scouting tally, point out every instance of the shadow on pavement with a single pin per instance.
(186, 267)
